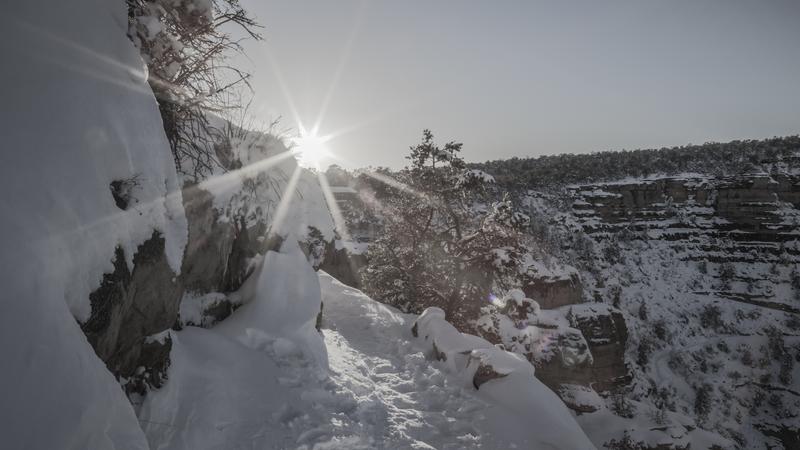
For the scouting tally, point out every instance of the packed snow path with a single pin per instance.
(379, 392)
(236, 387)
(401, 399)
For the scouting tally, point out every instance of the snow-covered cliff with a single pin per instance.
(77, 116)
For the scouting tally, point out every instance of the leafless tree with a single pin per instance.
(186, 50)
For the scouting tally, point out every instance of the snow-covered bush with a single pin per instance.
(517, 323)
(711, 317)
(643, 351)
(726, 274)
(621, 405)
(625, 443)
(441, 245)
(314, 246)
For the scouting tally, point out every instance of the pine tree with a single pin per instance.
(438, 248)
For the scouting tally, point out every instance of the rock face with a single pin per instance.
(210, 242)
(220, 248)
(128, 307)
(748, 209)
(343, 265)
(604, 329)
(554, 292)
(227, 232)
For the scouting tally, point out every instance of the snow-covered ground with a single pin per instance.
(412, 401)
(263, 379)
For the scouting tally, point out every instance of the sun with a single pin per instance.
(311, 149)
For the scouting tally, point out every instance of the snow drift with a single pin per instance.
(229, 386)
(77, 116)
(505, 380)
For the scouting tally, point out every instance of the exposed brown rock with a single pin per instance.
(484, 374)
(130, 306)
(552, 293)
(605, 331)
(343, 265)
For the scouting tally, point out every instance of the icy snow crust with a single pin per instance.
(77, 114)
(265, 378)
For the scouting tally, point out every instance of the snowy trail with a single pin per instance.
(379, 392)
(404, 398)
(244, 385)
(407, 402)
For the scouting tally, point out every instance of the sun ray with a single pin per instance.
(340, 224)
(287, 95)
(286, 199)
(68, 43)
(380, 116)
(69, 59)
(212, 184)
(385, 179)
(333, 206)
(232, 176)
(343, 59)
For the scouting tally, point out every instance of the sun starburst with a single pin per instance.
(311, 149)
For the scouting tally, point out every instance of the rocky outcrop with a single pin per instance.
(220, 248)
(210, 242)
(604, 329)
(343, 265)
(485, 373)
(554, 292)
(606, 335)
(228, 220)
(128, 307)
(750, 211)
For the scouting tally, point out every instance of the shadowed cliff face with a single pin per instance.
(750, 219)
(127, 308)
(228, 217)
(605, 332)
(130, 306)
(555, 292)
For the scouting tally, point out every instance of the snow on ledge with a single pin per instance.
(504, 379)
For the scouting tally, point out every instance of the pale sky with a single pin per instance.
(527, 78)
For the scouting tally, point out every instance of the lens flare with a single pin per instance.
(311, 150)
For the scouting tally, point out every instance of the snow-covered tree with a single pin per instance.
(442, 244)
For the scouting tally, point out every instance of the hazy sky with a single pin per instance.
(528, 78)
